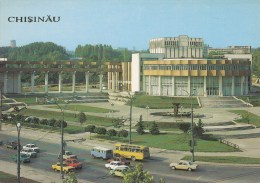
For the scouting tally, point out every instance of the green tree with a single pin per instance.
(138, 175)
(122, 133)
(176, 107)
(111, 133)
(71, 178)
(140, 126)
(154, 130)
(184, 127)
(82, 117)
(100, 130)
(256, 63)
(198, 129)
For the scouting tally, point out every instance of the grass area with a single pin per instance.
(173, 142)
(162, 102)
(254, 100)
(247, 117)
(95, 120)
(163, 126)
(82, 108)
(225, 159)
(9, 178)
(27, 100)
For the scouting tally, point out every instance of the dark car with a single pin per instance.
(12, 144)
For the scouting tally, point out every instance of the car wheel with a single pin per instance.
(55, 170)
(173, 168)
(93, 156)
(189, 169)
(133, 158)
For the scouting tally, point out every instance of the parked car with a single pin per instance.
(73, 162)
(24, 158)
(119, 171)
(32, 146)
(184, 165)
(1, 142)
(29, 152)
(122, 159)
(101, 152)
(11, 144)
(68, 155)
(65, 168)
(113, 164)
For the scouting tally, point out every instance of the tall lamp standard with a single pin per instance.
(130, 126)
(1, 85)
(18, 126)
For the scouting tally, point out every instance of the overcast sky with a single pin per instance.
(131, 23)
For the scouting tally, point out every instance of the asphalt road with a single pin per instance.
(94, 170)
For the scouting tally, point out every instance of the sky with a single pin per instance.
(131, 23)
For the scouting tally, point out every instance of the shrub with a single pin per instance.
(44, 121)
(198, 129)
(140, 127)
(82, 117)
(57, 123)
(111, 132)
(122, 133)
(154, 130)
(100, 130)
(51, 122)
(184, 127)
(19, 117)
(90, 128)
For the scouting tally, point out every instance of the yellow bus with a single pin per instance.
(134, 152)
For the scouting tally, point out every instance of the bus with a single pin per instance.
(134, 152)
(101, 152)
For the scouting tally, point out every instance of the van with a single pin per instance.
(101, 152)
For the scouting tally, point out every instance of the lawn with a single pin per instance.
(254, 100)
(8, 178)
(159, 102)
(82, 108)
(225, 159)
(173, 142)
(27, 100)
(95, 120)
(247, 117)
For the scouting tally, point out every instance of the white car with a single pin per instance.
(29, 152)
(68, 155)
(114, 164)
(32, 146)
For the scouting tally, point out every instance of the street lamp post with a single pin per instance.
(1, 85)
(130, 126)
(18, 126)
(248, 119)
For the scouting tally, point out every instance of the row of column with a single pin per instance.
(243, 82)
(19, 85)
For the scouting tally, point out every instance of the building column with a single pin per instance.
(5, 82)
(149, 85)
(100, 82)
(220, 86)
(60, 82)
(32, 81)
(73, 81)
(87, 80)
(173, 86)
(114, 80)
(205, 86)
(242, 85)
(19, 79)
(190, 92)
(246, 85)
(233, 86)
(46, 81)
(159, 85)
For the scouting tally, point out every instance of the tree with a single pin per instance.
(111, 133)
(138, 175)
(122, 133)
(198, 129)
(82, 117)
(184, 127)
(71, 178)
(176, 108)
(90, 128)
(154, 130)
(140, 126)
(100, 130)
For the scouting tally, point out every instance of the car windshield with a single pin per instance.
(69, 153)
(23, 155)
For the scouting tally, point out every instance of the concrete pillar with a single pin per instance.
(233, 86)
(149, 85)
(100, 82)
(19, 80)
(46, 81)
(173, 86)
(242, 85)
(190, 92)
(73, 81)
(87, 80)
(114, 80)
(220, 86)
(5, 82)
(60, 82)
(205, 86)
(32, 81)
(159, 85)
(246, 85)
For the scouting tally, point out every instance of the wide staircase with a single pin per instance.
(221, 102)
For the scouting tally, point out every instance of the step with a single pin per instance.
(238, 134)
(228, 128)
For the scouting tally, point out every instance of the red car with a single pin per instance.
(73, 162)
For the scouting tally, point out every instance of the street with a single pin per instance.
(94, 170)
